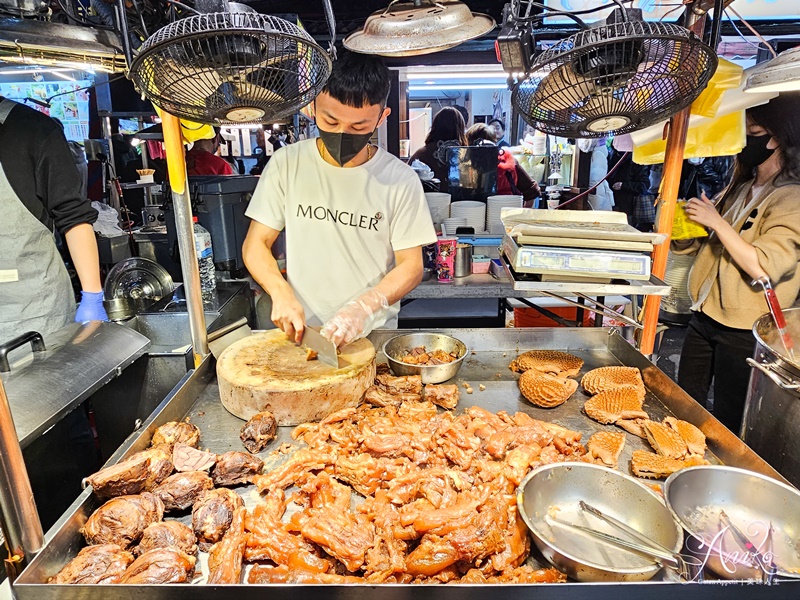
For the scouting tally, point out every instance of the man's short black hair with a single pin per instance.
(358, 80)
(502, 125)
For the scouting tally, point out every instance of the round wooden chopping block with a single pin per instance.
(266, 371)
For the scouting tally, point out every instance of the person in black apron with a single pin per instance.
(40, 188)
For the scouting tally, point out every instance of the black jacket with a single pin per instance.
(635, 180)
(38, 164)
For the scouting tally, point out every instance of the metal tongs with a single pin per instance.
(688, 567)
(777, 314)
(767, 568)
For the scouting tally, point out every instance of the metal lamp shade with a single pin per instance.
(409, 29)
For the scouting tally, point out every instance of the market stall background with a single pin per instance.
(310, 20)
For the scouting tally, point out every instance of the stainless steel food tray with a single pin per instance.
(197, 397)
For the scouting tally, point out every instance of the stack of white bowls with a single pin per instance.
(473, 211)
(439, 205)
(450, 225)
(494, 205)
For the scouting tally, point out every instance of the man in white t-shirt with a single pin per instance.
(355, 216)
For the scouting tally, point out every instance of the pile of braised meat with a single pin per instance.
(421, 356)
(396, 491)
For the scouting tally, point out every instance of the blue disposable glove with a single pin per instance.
(91, 308)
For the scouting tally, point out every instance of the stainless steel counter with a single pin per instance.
(197, 397)
(472, 286)
(488, 286)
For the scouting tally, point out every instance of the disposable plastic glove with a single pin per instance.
(91, 308)
(356, 318)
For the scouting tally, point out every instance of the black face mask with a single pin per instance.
(755, 151)
(344, 147)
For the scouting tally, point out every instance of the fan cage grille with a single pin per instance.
(207, 67)
(614, 79)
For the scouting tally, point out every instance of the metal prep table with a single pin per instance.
(197, 397)
(47, 390)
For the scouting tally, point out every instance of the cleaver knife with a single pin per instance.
(325, 349)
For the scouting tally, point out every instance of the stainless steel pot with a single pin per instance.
(771, 423)
(554, 492)
(754, 503)
(398, 345)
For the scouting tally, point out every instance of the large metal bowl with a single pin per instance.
(752, 502)
(398, 345)
(557, 489)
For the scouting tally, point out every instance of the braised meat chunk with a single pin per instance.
(234, 468)
(181, 490)
(162, 565)
(285, 574)
(104, 563)
(137, 473)
(185, 458)
(343, 535)
(409, 384)
(421, 356)
(445, 396)
(377, 396)
(225, 558)
(176, 432)
(259, 431)
(122, 520)
(168, 534)
(212, 515)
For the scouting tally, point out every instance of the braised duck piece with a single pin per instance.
(168, 534)
(138, 473)
(233, 468)
(161, 465)
(212, 515)
(285, 574)
(225, 557)
(378, 396)
(122, 520)
(421, 356)
(177, 432)
(162, 565)
(104, 563)
(445, 396)
(408, 384)
(181, 490)
(185, 458)
(259, 431)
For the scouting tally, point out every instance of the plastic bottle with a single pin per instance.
(205, 259)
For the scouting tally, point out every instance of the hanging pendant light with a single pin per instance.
(781, 74)
(418, 27)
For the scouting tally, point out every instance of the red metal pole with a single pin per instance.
(670, 186)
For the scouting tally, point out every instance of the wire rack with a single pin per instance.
(230, 68)
(614, 79)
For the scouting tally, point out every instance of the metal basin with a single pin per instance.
(753, 502)
(167, 331)
(555, 491)
(432, 341)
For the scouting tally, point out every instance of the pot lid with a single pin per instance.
(43, 386)
(138, 279)
(418, 27)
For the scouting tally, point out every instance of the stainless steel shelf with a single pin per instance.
(653, 287)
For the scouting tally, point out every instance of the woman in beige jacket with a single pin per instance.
(754, 231)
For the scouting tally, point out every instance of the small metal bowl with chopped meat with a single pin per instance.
(434, 356)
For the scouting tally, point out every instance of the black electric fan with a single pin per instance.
(614, 77)
(232, 67)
